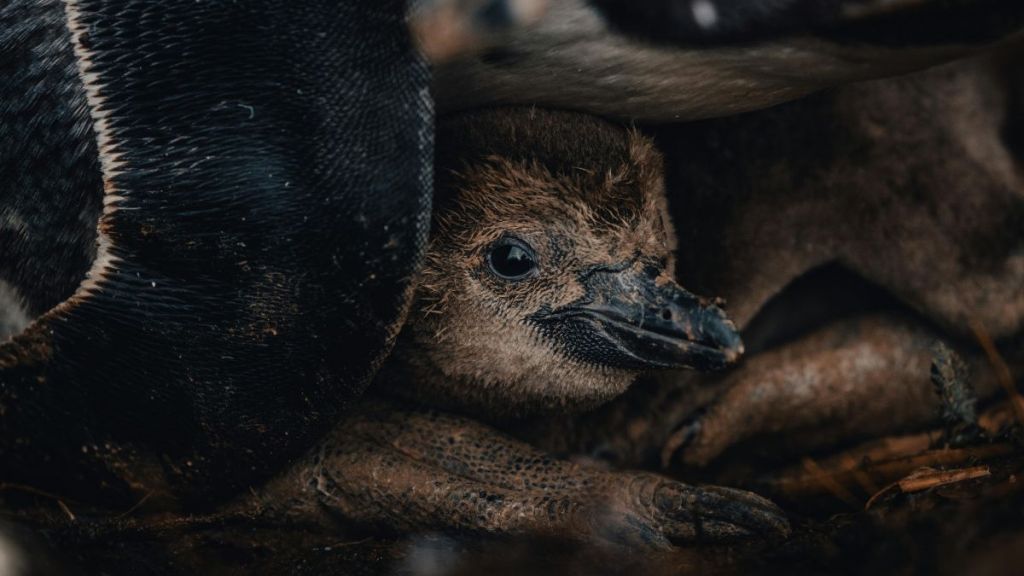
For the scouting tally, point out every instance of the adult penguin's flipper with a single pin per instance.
(264, 174)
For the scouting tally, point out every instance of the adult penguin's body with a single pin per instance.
(262, 171)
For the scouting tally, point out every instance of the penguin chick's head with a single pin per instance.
(548, 281)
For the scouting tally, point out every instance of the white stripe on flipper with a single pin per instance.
(110, 161)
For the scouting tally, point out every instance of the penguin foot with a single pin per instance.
(650, 511)
(409, 470)
(856, 379)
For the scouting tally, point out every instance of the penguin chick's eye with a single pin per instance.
(512, 259)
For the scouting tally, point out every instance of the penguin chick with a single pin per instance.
(547, 286)
(548, 282)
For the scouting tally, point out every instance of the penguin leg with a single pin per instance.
(411, 470)
(855, 379)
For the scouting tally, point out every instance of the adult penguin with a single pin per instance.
(260, 173)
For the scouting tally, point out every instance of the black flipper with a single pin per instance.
(266, 182)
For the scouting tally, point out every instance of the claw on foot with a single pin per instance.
(656, 512)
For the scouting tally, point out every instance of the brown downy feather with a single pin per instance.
(582, 192)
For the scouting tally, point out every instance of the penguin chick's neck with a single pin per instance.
(530, 378)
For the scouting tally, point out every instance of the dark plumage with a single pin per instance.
(260, 220)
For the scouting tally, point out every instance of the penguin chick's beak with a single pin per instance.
(629, 320)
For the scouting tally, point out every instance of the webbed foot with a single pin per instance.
(652, 511)
(412, 471)
(856, 379)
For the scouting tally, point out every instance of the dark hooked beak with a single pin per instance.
(630, 320)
